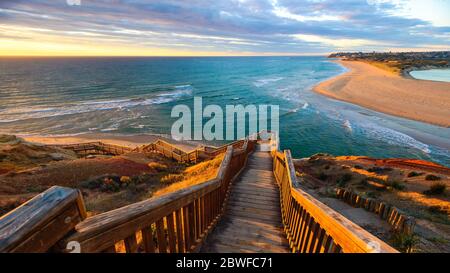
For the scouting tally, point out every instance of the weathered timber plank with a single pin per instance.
(54, 211)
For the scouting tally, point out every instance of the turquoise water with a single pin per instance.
(442, 75)
(136, 95)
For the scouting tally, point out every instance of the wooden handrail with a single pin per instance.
(176, 222)
(97, 147)
(310, 225)
(39, 223)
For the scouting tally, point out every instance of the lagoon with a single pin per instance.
(442, 75)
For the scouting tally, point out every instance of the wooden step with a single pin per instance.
(252, 220)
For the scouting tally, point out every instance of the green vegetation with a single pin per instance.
(405, 242)
(436, 189)
(414, 174)
(395, 185)
(432, 177)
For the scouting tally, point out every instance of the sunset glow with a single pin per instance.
(244, 27)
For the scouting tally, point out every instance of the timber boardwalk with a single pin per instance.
(252, 220)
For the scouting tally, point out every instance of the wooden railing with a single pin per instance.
(176, 222)
(398, 220)
(172, 151)
(169, 150)
(39, 223)
(313, 227)
(88, 148)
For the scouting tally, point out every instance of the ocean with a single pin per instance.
(442, 75)
(70, 96)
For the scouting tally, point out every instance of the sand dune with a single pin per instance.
(379, 90)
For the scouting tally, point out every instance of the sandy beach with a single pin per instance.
(383, 91)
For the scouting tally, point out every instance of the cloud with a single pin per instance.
(345, 44)
(231, 26)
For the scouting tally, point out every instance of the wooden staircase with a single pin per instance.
(252, 220)
(253, 205)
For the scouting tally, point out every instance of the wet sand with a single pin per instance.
(383, 91)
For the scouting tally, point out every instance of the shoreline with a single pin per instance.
(389, 93)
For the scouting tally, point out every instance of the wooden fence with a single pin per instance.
(84, 149)
(313, 227)
(399, 221)
(176, 222)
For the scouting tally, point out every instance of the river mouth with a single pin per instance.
(440, 75)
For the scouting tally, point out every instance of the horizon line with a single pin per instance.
(155, 56)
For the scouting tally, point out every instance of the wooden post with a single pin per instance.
(41, 222)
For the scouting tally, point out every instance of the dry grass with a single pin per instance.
(193, 175)
(391, 67)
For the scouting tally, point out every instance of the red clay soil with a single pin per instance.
(416, 164)
(68, 173)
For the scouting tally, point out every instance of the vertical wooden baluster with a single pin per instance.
(296, 216)
(191, 215)
(111, 249)
(162, 243)
(131, 244)
(179, 225)
(326, 247)
(335, 248)
(187, 229)
(319, 241)
(147, 237)
(211, 208)
(300, 225)
(201, 214)
(305, 224)
(310, 235)
(171, 232)
(314, 235)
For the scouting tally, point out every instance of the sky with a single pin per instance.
(220, 27)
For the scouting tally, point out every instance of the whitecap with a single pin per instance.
(16, 114)
(348, 126)
(262, 82)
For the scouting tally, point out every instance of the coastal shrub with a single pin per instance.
(379, 170)
(396, 185)
(157, 166)
(436, 189)
(171, 178)
(375, 169)
(432, 177)
(414, 174)
(91, 184)
(363, 181)
(438, 209)
(322, 176)
(344, 179)
(125, 180)
(405, 242)
(341, 183)
(347, 177)
(371, 194)
(110, 185)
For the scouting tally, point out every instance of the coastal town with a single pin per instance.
(400, 62)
